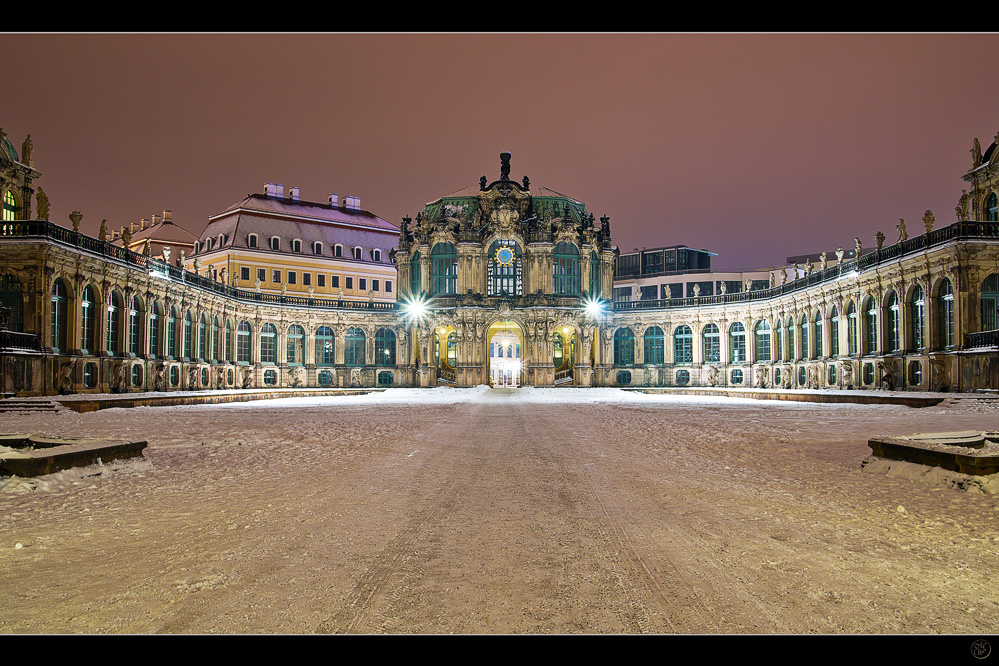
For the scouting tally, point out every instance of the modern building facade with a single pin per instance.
(503, 284)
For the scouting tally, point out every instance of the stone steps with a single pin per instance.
(29, 405)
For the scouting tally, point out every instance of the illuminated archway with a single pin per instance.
(505, 355)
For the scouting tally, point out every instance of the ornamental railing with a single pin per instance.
(964, 230)
(563, 376)
(62, 235)
(17, 341)
(981, 339)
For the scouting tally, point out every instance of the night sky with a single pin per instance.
(756, 147)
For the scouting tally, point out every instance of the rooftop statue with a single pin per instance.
(928, 220)
(26, 152)
(42, 200)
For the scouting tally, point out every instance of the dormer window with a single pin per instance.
(376, 255)
(221, 240)
(275, 243)
(338, 250)
(296, 245)
(251, 240)
(317, 248)
(357, 253)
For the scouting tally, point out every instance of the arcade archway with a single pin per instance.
(506, 355)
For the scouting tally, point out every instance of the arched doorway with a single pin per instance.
(506, 355)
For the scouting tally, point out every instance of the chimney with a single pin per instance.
(156, 220)
(334, 201)
(131, 227)
(293, 194)
(168, 217)
(274, 190)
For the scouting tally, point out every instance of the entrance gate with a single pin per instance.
(504, 360)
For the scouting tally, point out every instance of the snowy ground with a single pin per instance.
(478, 511)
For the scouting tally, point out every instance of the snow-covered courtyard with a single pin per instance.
(485, 511)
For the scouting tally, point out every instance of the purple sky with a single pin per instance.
(756, 147)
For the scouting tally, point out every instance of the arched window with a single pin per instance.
(803, 324)
(992, 210)
(11, 296)
(683, 345)
(154, 329)
(443, 270)
(565, 270)
(504, 272)
(817, 323)
(171, 342)
(135, 326)
(202, 337)
(296, 345)
(325, 346)
(113, 324)
(244, 337)
(216, 340)
(834, 332)
(268, 343)
(188, 336)
(9, 206)
(917, 317)
(791, 355)
(892, 342)
(88, 320)
(624, 347)
(778, 338)
(711, 344)
(385, 347)
(871, 327)
(227, 342)
(60, 310)
(353, 347)
(654, 351)
(990, 302)
(851, 329)
(736, 343)
(945, 314)
(762, 334)
(414, 273)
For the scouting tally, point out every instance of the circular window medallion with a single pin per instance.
(504, 256)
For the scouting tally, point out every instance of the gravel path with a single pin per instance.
(476, 511)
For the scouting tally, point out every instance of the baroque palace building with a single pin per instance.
(501, 283)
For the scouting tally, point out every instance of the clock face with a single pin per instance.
(504, 256)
